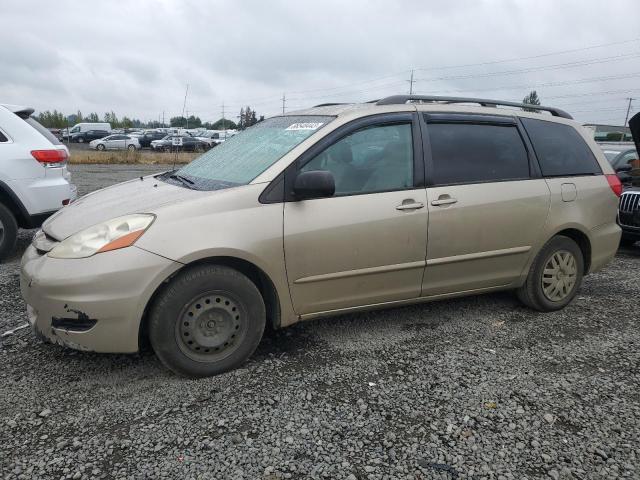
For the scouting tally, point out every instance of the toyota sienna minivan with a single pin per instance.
(319, 212)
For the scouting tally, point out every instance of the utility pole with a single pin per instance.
(283, 102)
(628, 110)
(223, 122)
(184, 104)
(411, 84)
(163, 119)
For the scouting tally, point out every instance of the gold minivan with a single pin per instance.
(324, 211)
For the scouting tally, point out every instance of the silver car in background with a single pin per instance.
(117, 141)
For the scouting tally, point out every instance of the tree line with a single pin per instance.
(56, 119)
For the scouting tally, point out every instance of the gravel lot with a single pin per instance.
(476, 388)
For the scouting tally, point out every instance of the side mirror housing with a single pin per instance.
(314, 184)
(624, 168)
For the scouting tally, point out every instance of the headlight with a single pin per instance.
(116, 233)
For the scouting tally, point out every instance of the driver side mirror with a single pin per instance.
(624, 168)
(314, 184)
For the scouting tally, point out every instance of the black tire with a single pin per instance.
(532, 293)
(8, 232)
(627, 241)
(177, 311)
(80, 140)
(131, 148)
(100, 147)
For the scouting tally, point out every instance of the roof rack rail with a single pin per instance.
(400, 99)
(329, 105)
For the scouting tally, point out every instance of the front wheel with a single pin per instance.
(80, 140)
(8, 232)
(555, 276)
(100, 147)
(131, 148)
(208, 320)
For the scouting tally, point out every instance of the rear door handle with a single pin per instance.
(444, 201)
(410, 206)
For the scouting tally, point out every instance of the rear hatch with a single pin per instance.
(53, 169)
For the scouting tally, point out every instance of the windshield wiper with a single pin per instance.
(185, 181)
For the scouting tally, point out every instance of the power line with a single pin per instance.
(535, 69)
(549, 54)
(549, 84)
(265, 100)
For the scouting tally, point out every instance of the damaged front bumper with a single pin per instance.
(95, 303)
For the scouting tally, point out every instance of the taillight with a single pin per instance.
(614, 183)
(50, 156)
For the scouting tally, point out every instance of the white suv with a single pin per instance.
(34, 180)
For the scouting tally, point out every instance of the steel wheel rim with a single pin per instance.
(211, 327)
(559, 275)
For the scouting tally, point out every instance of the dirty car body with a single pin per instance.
(324, 211)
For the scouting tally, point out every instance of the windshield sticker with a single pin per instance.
(305, 126)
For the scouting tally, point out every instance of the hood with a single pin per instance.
(142, 195)
(634, 126)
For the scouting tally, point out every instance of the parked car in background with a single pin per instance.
(88, 136)
(148, 136)
(326, 211)
(34, 180)
(78, 128)
(624, 159)
(627, 165)
(116, 142)
(211, 137)
(187, 143)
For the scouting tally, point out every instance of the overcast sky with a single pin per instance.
(137, 57)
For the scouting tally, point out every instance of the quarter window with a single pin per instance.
(472, 153)
(373, 159)
(560, 149)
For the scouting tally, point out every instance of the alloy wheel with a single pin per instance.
(559, 275)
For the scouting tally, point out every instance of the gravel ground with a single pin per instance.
(476, 388)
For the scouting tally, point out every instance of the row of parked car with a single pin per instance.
(101, 136)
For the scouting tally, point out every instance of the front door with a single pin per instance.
(487, 203)
(366, 244)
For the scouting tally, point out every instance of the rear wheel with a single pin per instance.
(207, 321)
(131, 148)
(8, 232)
(554, 277)
(80, 140)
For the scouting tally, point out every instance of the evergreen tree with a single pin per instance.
(531, 99)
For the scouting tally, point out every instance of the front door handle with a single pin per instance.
(444, 200)
(410, 205)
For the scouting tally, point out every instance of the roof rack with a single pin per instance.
(329, 105)
(400, 99)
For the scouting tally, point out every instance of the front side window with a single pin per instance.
(473, 153)
(373, 159)
(560, 149)
(245, 156)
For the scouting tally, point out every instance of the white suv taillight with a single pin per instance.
(50, 158)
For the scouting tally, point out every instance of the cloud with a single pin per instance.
(136, 58)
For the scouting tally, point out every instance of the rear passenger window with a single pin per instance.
(560, 149)
(472, 153)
